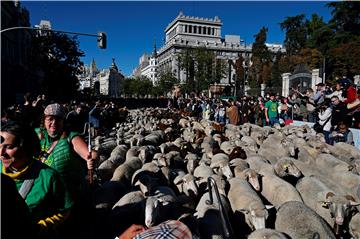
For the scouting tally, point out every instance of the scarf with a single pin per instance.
(17, 174)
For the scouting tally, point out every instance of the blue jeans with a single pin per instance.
(273, 120)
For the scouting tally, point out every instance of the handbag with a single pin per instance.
(320, 128)
(353, 104)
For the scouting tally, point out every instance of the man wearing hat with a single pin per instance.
(65, 151)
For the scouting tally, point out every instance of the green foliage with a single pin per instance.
(165, 83)
(57, 56)
(138, 87)
(295, 38)
(336, 41)
(201, 67)
(260, 71)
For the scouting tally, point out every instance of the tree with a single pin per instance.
(345, 19)
(260, 69)
(165, 83)
(202, 68)
(57, 56)
(295, 33)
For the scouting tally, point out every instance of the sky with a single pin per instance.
(132, 27)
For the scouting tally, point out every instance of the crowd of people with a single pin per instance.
(334, 109)
(45, 159)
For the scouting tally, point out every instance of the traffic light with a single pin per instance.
(102, 40)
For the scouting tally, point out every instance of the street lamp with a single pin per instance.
(244, 65)
(101, 36)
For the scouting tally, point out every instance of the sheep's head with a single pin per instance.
(284, 167)
(252, 177)
(152, 210)
(340, 207)
(188, 185)
(255, 216)
(237, 152)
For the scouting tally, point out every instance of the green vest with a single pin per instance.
(64, 160)
(48, 194)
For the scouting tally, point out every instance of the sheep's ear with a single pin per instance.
(350, 198)
(329, 194)
(178, 180)
(269, 207)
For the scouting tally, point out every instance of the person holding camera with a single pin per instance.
(324, 115)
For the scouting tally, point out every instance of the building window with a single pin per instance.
(195, 28)
(204, 30)
(186, 28)
(190, 29)
(209, 31)
(213, 31)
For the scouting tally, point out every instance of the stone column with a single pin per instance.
(315, 78)
(263, 86)
(285, 84)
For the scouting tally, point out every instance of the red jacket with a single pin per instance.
(351, 95)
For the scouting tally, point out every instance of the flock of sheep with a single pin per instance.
(269, 182)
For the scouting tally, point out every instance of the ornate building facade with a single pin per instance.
(186, 32)
(106, 82)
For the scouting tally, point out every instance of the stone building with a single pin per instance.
(16, 76)
(192, 32)
(106, 82)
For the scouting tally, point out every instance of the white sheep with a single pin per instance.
(298, 221)
(243, 199)
(266, 233)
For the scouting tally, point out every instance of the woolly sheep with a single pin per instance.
(243, 199)
(298, 221)
(331, 207)
(266, 233)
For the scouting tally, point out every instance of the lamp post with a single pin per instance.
(244, 66)
(101, 36)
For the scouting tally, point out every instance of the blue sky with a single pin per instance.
(132, 27)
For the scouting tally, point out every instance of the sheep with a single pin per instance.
(107, 195)
(331, 207)
(298, 221)
(266, 233)
(220, 165)
(187, 184)
(227, 146)
(162, 196)
(202, 172)
(117, 157)
(354, 226)
(184, 123)
(328, 162)
(273, 152)
(250, 175)
(128, 210)
(125, 171)
(192, 162)
(208, 216)
(277, 191)
(244, 200)
(285, 166)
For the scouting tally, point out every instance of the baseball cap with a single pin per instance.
(169, 229)
(55, 110)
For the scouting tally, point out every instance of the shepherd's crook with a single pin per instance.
(90, 171)
(228, 233)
